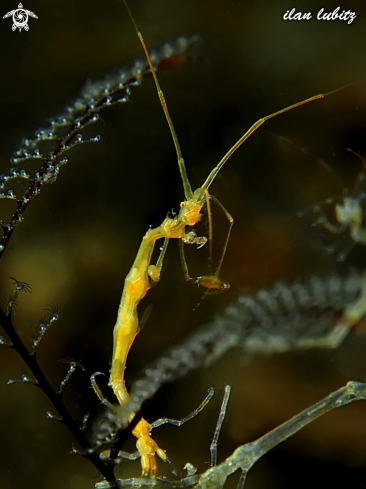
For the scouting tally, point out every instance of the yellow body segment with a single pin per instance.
(147, 448)
(137, 283)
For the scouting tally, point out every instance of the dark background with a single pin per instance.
(80, 236)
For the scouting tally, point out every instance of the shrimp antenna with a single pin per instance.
(186, 185)
(261, 121)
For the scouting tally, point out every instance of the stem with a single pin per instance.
(56, 399)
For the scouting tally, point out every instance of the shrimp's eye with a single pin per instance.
(182, 204)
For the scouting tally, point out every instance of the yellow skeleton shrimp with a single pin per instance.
(142, 274)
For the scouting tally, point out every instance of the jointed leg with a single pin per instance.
(231, 222)
(189, 238)
(210, 226)
(180, 422)
(215, 439)
(121, 456)
(184, 261)
(99, 392)
(154, 271)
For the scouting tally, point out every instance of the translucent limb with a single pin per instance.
(215, 439)
(231, 222)
(121, 456)
(210, 225)
(99, 393)
(242, 480)
(154, 271)
(193, 414)
(247, 455)
(211, 283)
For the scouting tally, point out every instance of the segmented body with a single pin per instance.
(137, 283)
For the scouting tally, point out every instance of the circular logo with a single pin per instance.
(20, 19)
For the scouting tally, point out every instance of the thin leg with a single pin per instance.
(160, 261)
(231, 222)
(180, 422)
(154, 271)
(212, 283)
(172, 469)
(210, 226)
(120, 457)
(242, 480)
(183, 260)
(247, 455)
(99, 392)
(215, 439)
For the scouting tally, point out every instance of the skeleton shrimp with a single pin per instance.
(147, 448)
(143, 274)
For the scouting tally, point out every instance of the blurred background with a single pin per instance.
(80, 235)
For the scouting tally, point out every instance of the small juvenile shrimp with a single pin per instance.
(147, 448)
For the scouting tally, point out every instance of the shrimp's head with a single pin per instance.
(190, 210)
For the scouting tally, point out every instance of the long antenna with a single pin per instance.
(186, 185)
(261, 121)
